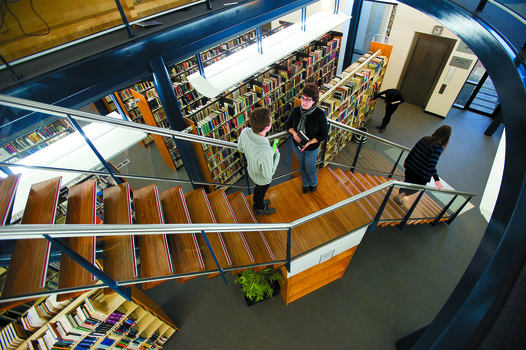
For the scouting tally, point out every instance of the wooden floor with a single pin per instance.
(292, 204)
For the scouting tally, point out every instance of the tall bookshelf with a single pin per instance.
(91, 321)
(348, 98)
(275, 88)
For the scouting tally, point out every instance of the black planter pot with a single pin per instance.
(275, 288)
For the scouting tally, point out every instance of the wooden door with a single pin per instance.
(427, 59)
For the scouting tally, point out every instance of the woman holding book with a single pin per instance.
(308, 126)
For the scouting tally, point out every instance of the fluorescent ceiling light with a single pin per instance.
(237, 67)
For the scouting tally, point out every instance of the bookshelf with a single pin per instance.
(348, 98)
(29, 142)
(275, 88)
(91, 321)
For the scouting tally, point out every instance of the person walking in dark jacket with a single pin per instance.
(393, 98)
(421, 162)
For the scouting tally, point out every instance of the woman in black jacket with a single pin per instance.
(308, 126)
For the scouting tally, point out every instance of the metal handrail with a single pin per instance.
(369, 136)
(61, 231)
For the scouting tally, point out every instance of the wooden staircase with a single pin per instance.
(164, 255)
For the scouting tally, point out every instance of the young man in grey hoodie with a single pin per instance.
(262, 161)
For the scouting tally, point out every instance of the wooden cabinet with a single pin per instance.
(315, 277)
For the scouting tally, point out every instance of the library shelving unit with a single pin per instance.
(93, 320)
(142, 105)
(348, 98)
(27, 142)
(275, 88)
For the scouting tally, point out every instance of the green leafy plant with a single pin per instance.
(257, 286)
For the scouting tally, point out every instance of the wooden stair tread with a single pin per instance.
(119, 251)
(200, 212)
(367, 202)
(184, 247)
(364, 203)
(8, 187)
(236, 243)
(81, 210)
(259, 247)
(360, 183)
(293, 204)
(30, 256)
(396, 210)
(153, 249)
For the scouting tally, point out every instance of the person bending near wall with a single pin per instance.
(261, 160)
(393, 98)
(421, 162)
(308, 126)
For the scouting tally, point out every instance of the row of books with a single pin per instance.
(222, 164)
(38, 315)
(12, 336)
(225, 174)
(38, 136)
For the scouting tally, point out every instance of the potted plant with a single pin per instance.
(260, 285)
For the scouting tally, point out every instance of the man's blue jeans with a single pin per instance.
(307, 164)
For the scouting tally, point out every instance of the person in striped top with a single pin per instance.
(421, 162)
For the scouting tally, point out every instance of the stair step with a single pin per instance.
(82, 200)
(153, 249)
(201, 213)
(364, 203)
(259, 247)
(8, 187)
(375, 199)
(119, 261)
(236, 242)
(28, 267)
(395, 209)
(184, 247)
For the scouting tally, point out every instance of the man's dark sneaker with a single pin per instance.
(305, 189)
(265, 201)
(266, 211)
(313, 188)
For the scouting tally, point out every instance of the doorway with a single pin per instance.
(427, 58)
(478, 93)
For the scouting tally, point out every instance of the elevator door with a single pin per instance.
(427, 60)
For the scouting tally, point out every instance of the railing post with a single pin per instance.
(324, 148)
(110, 282)
(437, 220)
(411, 210)
(246, 173)
(396, 165)
(289, 240)
(200, 65)
(124, 19)
(378, 216)
(450, 220)
(355, 160)
(97, 153)
(214, 256)
(259, 40)
(117, 105)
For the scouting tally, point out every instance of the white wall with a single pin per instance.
(407, 22)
